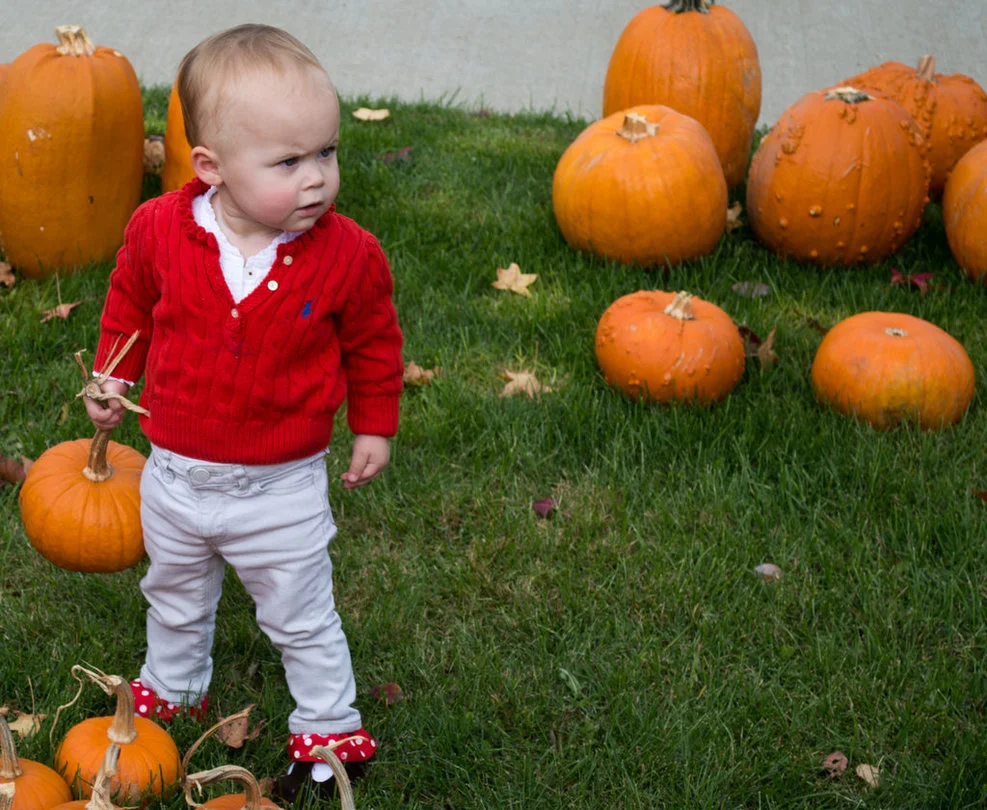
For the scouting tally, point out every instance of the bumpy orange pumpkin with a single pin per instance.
(148, 761)
(643, 186)
(80, 503)
(964, 212)
(839, 180)
(697, 58)
(663, 347)
(177, 169)
(71, 154)
(887, 368)
(950, 109)
(36, 786)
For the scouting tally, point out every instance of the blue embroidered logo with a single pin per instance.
(307, 309)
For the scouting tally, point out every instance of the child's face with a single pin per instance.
(276, 150)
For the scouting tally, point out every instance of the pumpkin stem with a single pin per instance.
(325, 752)
(636, 127)
(100, 799)
(926, 69)
(226, 721)
(122, 730)
(97, 469)
(7, 796)
(679, 6)
(74, 41)
(244, 777)
(894, 331)
(851, 95)
(681, 307)
(10, 767)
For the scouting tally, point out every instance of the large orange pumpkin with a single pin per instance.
(697, 58)
(177, 169)
(964, 212)
(643, 186)
(663, 347)
(888, 367)
(950, 109)
(71, 153)
(36, 786)
(148, 761)
(80, 504)
(840, 179)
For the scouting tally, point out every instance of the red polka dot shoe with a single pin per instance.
(309, 773)
(148, 704)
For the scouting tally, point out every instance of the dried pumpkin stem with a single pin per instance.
(326, 754)
(251, 788)
(97, 468)
(100, 799)
(636, 127)
(681, 307)
(850, 95)
(10, 767)
(7, 796)
(680, 6)
(926, 69)
(74, 41)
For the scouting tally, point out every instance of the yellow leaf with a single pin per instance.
(27, 725)
(522, 382)
(368, 114)
(870, 774)
(511, 278)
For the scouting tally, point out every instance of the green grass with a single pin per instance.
(621, 653)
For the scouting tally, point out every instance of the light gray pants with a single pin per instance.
(271, 523)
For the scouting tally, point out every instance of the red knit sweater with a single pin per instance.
(256, 382)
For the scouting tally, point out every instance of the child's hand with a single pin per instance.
(370, 455)
(107, 415)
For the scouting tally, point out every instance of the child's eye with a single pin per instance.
(327, 151)
(289, 162)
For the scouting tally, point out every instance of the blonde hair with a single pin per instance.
(225, 55)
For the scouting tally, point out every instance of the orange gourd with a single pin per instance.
(71, 154)
(102, 787)
(643, 186)
(36, 786)
(177, 169)
(839, 180)
(697, 58)
(964, 212)
(950, 109)
(887, 367)
(664, 347)
(149, 760)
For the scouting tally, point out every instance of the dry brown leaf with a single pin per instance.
(414, 374)
(368, 114)
(235, 733)
(766, 352)
(769, 572)
(61, 311)
(733, 217)
(835, 764)
(388, 692)
(10, 471)
(154, 155)
(7, 277)
(512, 279)
(4, 711)
(26, 725)
(522, 382)
(27, 463)
(871, 774)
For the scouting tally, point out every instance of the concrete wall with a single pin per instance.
(511, 55)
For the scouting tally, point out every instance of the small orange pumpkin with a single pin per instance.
(839, 180)
(250, 799)
(36, 786)
(177, 169)
(148, 761)
(964, 212)
(102, 787)
(643, 186)
(664, 347)
(950, 109)
(697, 58)
(887, 367)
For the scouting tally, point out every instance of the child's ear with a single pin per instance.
(206, 166)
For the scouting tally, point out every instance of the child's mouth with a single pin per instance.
(309, 210)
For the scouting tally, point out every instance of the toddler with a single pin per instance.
(259, 310)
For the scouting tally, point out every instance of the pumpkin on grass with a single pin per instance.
(177, 169)
(36, 786)
(839, 180)
(643, 186)
(664, 347)
(250, 799)
(887, 367)
(101, 798)
(149, 760)
(964, 212)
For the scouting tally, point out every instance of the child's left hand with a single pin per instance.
(370, 455)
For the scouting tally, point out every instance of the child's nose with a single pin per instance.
(314, 177)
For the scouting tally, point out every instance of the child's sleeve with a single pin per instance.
(131, 296)
(370, 342)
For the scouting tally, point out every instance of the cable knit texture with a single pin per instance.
(259, 381)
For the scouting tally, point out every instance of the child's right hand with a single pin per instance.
(107, 415)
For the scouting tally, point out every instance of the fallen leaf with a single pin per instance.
(766, 352)
(835, 764)
(154, 154)
(390, 693)
(10, 471)
(63, 414)
(7, 278)
(522, 382)
(751, 340)
(751, 289)
(919, 280)
(545, 507)
(769, 572)
(511, 278)
(61, 311)
(870, 774)
(368, 114)
(26, 463)
(812, 323)
(266, 785)
(237, 732)
(404, 153)
(414, 374)
(733, 218)
(26, 725)
(980, 493)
